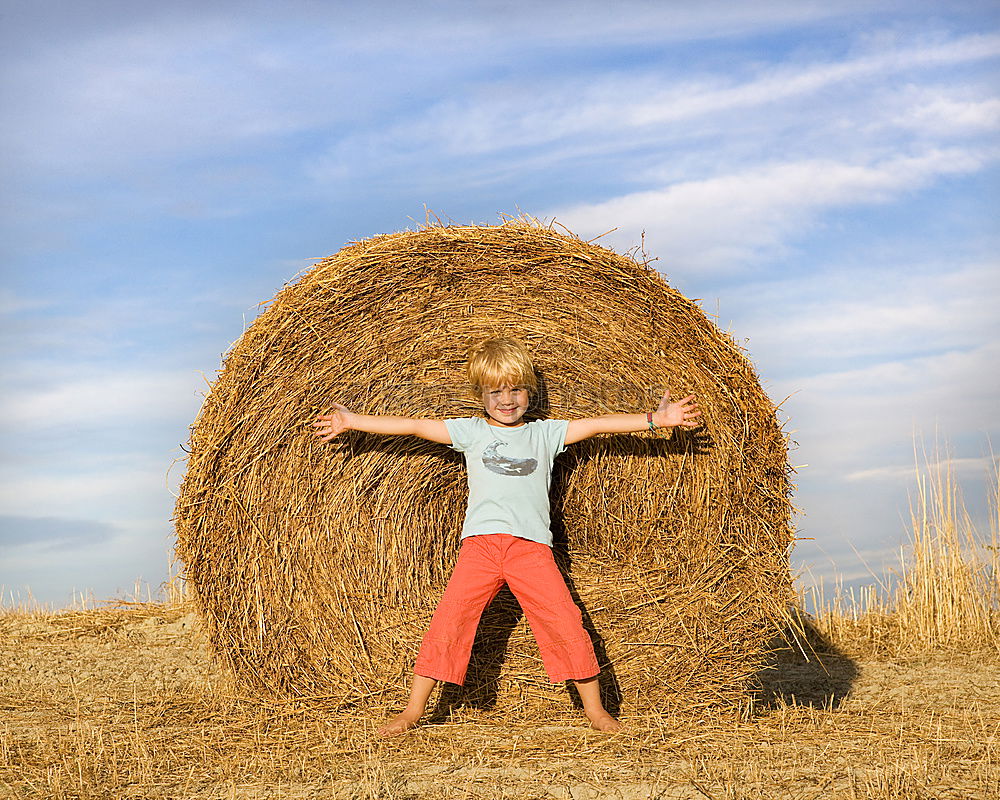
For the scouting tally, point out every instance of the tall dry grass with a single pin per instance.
(945, 592)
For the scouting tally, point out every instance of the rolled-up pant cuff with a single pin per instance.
(484, 565)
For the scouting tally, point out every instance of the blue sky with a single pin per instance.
(823, 176)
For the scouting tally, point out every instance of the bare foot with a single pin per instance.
(604, 722)
(398, 725)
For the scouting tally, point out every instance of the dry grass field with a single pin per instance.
(902, 701)
(126, 703)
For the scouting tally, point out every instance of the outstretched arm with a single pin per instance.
(684, 413)
(341, 419)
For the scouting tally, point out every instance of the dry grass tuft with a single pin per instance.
(317, 567)
(946, 591)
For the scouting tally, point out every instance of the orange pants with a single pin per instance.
(484, 564)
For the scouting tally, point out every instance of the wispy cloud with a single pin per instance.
(49, 533)
(506, 119)
(880, 310)
(866, 418)
(727, 223)
(136, 91)
(808, 105)
(958, 466)
(103, 399)
(945, 113)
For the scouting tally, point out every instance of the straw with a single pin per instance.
(316, 566)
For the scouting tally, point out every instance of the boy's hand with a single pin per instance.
(683, 412)
(329, 425)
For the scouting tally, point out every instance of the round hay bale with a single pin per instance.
(317, 566)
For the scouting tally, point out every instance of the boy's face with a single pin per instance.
(505, 405)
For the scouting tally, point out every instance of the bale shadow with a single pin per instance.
(489, 652)
(611, 693)
(804, 668)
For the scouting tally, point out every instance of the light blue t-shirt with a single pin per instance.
(509, 470)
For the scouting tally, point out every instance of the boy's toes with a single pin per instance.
(605, 724)
(397, 725)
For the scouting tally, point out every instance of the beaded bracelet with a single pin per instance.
(652, 427)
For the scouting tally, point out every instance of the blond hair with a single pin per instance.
(499, 362)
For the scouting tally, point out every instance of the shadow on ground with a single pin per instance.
(805, 669)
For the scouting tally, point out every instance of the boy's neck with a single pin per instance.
(490, 421)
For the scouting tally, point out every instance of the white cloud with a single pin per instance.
(103, 399)
(957, 466)
(864, 419)
(116, 491)
(939, 113)
(783, 82)
(576, 117)
(882, 311)
(210, 79)
(175, 84)
(724, 223)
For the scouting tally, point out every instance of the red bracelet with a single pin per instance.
(652, 427)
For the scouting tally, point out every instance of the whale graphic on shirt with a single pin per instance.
(502, 465)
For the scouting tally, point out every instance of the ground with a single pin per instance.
(127, 703)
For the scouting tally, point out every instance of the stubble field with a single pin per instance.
(126, 702)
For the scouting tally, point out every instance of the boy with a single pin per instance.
(506, 536)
